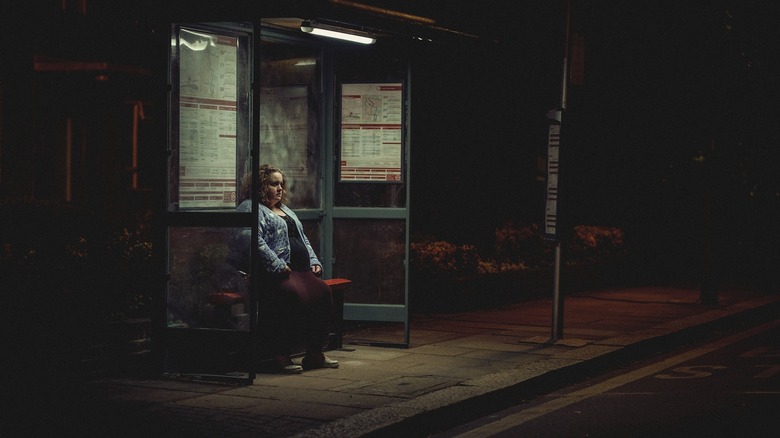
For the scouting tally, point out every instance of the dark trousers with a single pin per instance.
(295, 309)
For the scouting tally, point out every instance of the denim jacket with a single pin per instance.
(273, 241)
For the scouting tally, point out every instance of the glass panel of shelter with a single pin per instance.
(370, 218)
(205, 290)
(289, 118)
(208, 307)
(371, 253)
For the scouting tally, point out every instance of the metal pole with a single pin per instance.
(69, 159)
(138, 112)
(557, 311)
(565, 78)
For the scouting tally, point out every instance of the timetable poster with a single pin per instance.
(207, 120)
(371, 132)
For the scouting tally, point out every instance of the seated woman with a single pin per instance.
(294, 300)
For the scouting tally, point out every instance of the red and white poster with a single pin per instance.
(371, 132)
(207, 120)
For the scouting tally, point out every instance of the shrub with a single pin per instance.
(522, 246)
(68, 262)
(595, 243)
(516, 248)
(440, 257)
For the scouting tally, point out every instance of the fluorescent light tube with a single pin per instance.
(339, 35)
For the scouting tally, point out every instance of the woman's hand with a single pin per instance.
(317, 269)
(286, 271)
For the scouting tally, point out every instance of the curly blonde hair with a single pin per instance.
(264, 175)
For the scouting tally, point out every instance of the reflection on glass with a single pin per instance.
(357, 67)
(312, 231)
(370, 195)
(371, 254)
(210, 120)
(207, 288)
(289, 112)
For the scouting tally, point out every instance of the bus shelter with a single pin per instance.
(335, 116)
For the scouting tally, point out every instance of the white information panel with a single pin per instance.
(371, 132)
(207, 120)
(553, 163)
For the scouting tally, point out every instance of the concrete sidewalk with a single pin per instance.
(458, 366)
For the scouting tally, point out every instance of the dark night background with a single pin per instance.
(674, 92)
(672, 136)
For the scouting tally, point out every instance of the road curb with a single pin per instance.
(475, 398)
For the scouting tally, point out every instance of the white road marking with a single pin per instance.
(608, 385)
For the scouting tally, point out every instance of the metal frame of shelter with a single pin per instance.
(209, 324)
